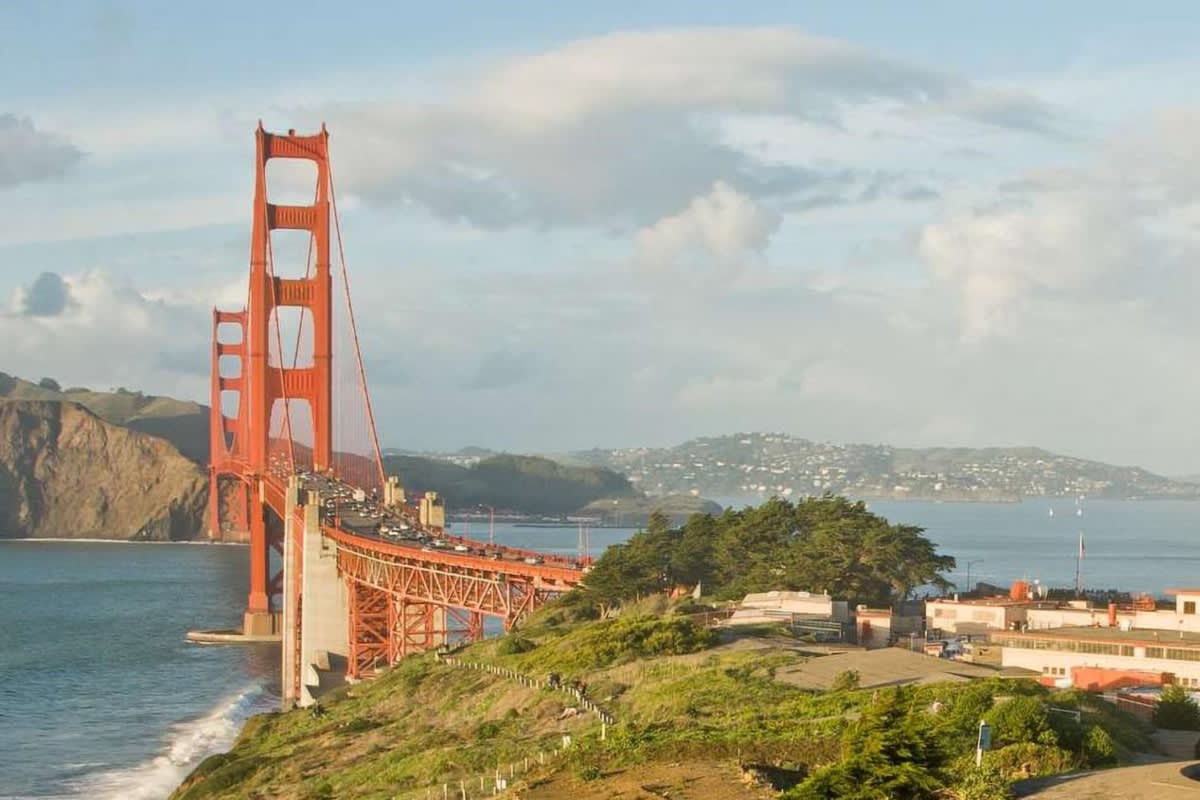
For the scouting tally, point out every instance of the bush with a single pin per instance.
(1021, 720)
(1176, 710)
(1030, 760)
(624, 639)
(514, 644)
(985, 782)
(1099, 747)
(845, 681)
(892, 751)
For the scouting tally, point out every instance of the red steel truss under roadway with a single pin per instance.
(274, 416)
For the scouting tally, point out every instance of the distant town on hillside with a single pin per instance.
(743, 465)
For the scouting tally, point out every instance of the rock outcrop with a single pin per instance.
(65, 472)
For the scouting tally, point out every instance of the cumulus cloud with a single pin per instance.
(624, 129)
(47, 296)
(30, 154)
(1120, 229)
(723, 226)
(500, 369)
(90, 329)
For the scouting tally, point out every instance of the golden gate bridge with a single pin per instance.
(345, 568)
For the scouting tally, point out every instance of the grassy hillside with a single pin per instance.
(183, 423)
(519, 483)
(697, 716)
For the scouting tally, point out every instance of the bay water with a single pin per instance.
(101, 696)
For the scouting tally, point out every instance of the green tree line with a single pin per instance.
(817, 544)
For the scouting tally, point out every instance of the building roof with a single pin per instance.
(1140, 636)
(1183, 591)
(980, 601)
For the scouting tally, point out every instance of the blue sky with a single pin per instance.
(632, 223)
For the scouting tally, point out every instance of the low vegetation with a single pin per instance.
(689, 713)
(680, 695)
(1176, 710)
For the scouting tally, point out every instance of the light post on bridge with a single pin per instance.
(969, 564)
(491, 523)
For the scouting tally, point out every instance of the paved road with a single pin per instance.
(1147, 782)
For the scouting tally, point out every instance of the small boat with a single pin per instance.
(1052, 512)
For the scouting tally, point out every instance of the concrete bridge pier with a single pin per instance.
(316, 628)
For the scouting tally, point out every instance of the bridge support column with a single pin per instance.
(317, 637)
(293, 525)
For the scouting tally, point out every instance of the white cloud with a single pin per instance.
(1120, 229)
(28, 153)
(106, 333)
(723, 226)
(620, 130)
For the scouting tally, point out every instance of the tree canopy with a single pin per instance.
(817, 544)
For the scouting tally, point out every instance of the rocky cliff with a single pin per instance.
(64, 472)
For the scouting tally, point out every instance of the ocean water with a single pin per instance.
(1142, 546)
(101, 697)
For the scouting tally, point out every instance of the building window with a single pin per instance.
(1189, 606)
(1154, 652)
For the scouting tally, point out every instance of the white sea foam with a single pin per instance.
(186, 746)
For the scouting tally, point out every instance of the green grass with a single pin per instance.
(676, 696)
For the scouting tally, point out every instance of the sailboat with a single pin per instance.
(1052, 512)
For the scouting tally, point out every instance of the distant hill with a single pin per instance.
(526, 484)
(181, 422)
(765, 464)
(64, 472)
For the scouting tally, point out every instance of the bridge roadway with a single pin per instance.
(373, 521)
(406, 591)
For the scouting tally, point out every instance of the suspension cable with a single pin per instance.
(362, 372)
(287, 404)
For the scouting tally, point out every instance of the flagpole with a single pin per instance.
(1078, 558)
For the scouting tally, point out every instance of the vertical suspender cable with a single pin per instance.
(362, 373)
(287, 405)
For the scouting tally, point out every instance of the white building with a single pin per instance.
(975, 616)
(1062, 655)
(778, 605)
(1181, 618)
(1007, 613)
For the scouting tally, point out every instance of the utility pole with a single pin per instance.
(969, 563)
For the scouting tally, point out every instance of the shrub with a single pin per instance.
(514, 644)
(1176, 710)
(1019, 720)
(1030, 759)
(845, 680)
(985, 782)
(588, 772)
(1099, 747)
(892, 751)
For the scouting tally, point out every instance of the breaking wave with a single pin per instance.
(187, 745)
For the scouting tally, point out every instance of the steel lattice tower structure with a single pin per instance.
(251, 444)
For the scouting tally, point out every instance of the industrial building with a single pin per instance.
(1102, 658)
(825, 618)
